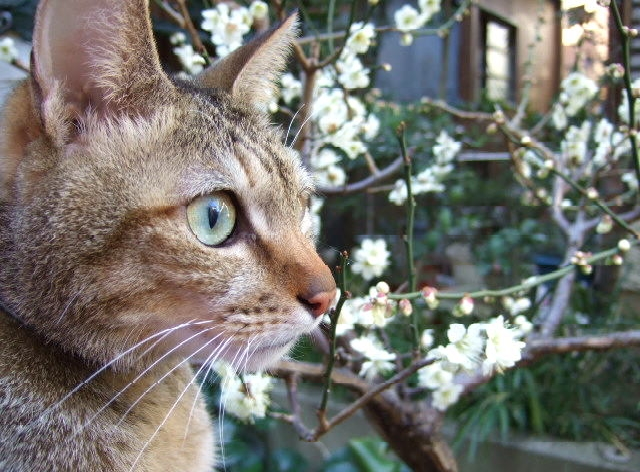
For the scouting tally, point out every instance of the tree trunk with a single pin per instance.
(413, 432)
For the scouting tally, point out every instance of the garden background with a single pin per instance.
(477, 172)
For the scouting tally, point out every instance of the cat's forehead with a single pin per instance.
(239, 151)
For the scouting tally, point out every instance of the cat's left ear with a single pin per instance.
(250, 72)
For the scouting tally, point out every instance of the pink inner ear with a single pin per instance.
(64, 34)
(97, 53)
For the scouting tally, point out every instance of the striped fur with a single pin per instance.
(106, 295)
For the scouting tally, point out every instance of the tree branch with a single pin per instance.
(363, 184)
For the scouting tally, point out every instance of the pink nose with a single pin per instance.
(319, 303)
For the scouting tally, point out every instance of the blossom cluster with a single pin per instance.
(489, 346)
(341, 121)
(407, 18)
(228, 26)
(192, 62)
(246, 398)
(576, 91)
(371, 258)
(430, 179)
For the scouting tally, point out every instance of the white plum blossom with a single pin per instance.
(399, 193)
(370, 127)
(426, 339)
(430, 179)
(408, 18)
(8, 50)
(332, 176)
(446, 396)
(464, 307)
(227, 26)
(352, 314)
(361, 36)
(371, 258)
(351, 73)
(517, 306)
(315, 207)
(434, 376)
(603, 131)
(379, 307)
(178, 38)
(630, 179)
(290, 88)
(248, 399)
(522, 325)
(346, 139)
(579, 90)
(191, 61)
(574, 146)
(325, 169)
(325, 158)
(503, 347)
(464, 348)
(559, 117)
(430, 296)
(379, 361)
(623, 109)
(429, 8)
(446, 148)
(258, 10)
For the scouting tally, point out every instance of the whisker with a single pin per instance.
(311, 115)
(139, 376)
(164, 376)
(68, 305)
(175, 404)
(162, 334)
(209, 362)
(293, 118)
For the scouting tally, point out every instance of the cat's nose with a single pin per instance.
(319, 303)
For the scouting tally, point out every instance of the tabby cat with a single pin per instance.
(145, 224)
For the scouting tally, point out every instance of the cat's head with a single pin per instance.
(132, 204)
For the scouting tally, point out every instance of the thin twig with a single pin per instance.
(525, 285)
(334, 316)
(348, 379)
(408, 233)
(193, 32)
(631, 100)
(364, 184)
(173, 15)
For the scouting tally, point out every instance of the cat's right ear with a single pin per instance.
(93, 57)
(250, 73)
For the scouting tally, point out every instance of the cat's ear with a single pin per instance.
(93, 56)
(250, 72)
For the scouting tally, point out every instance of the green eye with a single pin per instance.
(212, 218)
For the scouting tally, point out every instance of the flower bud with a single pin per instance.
(382, 287)
(430, 297)
(605, 225)
(624, 245)
(406, 39)
(465, 307)
(592, 193)
(406, 308)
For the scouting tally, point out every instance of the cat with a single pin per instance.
(146, 223)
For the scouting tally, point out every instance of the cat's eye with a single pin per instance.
(212, 218)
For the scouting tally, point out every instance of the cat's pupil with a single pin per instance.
(213, 214)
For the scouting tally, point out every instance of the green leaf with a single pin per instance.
(287, 460)
(371, 454)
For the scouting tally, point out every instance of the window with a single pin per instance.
(498, 62)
